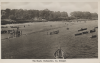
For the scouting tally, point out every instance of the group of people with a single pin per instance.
(16, 33)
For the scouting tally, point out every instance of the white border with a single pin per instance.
(67, 60)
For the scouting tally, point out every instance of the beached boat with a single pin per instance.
(59, 54)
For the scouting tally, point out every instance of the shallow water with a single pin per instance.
(39, 45)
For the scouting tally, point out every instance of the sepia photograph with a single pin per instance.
(49, 30)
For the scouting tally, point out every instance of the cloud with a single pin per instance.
(53, 6)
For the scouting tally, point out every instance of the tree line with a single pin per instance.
(83, 15)
(45, 14)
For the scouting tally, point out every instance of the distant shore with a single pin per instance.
(5, 22)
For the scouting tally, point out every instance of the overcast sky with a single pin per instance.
(53, 6)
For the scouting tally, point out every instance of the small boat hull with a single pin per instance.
(59, 54)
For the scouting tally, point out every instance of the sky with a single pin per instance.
(53, 6)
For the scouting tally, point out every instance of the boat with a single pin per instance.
(59, 54)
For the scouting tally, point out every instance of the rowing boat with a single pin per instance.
(59, 54)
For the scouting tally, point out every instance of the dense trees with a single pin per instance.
(29, 14)
(45, 14)
(95, 15)
(83, 15)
